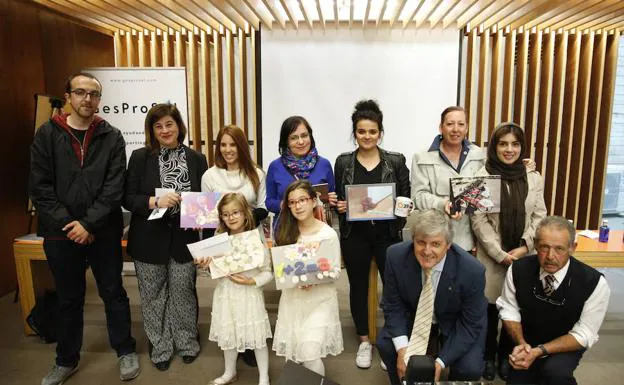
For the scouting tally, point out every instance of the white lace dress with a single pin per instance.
(308, 323)
(239, 317)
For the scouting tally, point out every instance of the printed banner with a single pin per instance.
(129, 93)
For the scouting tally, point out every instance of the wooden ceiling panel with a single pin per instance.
(458, 10)
(165, 9)
(290, 11)
(536, 12)
(79, 10)
(258, 8)
(96, 7)
(595, 9)
(102, 4)
(139, 7)
(128, 10)
(444, 8)
(199, 12)
(234, 15)
(229, 14)
(80, 18)
(277, 16)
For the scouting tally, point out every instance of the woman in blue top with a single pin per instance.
(298, 160)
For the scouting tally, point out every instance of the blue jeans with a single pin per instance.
(68, 262)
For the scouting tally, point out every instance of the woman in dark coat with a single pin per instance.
(165, 270)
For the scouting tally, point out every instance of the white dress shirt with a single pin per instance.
(401, 342)
(585, 330)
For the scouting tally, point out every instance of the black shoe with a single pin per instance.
(490, 370)
(163, 365)
(188, 359)
(503, 369)
(249, 357)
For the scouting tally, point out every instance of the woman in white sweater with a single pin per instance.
(235, 171)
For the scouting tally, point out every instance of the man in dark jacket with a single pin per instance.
(76, 181)
(433, 302)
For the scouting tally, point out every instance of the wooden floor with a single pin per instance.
(25, 360)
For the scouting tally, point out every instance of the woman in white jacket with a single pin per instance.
(450, 155)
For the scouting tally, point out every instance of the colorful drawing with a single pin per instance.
(247, 253)
(199, 210)
(304, 263)
(367, 202)
(475, 194)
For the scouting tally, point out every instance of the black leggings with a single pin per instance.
(364, 243)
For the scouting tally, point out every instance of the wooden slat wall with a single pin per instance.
(604, 125)
(559, 86)
(209, 58)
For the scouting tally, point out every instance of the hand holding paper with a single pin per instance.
(160, 210)
(169, 199)
(203, 262)
(230, 254)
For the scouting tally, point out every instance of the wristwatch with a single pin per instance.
(543, 349)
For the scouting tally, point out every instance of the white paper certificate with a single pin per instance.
(158, 213)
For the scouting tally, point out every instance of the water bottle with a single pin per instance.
(603, 235)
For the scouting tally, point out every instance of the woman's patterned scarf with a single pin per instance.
(300, 168)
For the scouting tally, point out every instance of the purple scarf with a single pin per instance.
(300, 168)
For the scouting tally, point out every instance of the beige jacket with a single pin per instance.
(486, 228)
(430, 187)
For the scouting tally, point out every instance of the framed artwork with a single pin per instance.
(367, 202)
(199, 210)
(322, 210)
(475, 194)
(304, 263)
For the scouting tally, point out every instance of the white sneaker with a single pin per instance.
(364, 355)
(383, 366)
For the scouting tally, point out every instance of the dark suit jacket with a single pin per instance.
(460, 306)
(158, 240)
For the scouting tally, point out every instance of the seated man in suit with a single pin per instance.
(552, 306)
(450, 306)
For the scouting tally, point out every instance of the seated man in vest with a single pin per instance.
(552, 306)
(433, 292)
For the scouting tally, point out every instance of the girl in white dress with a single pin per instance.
(239, 317)
(308, 325)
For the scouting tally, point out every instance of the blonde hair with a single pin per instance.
(240, 200)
